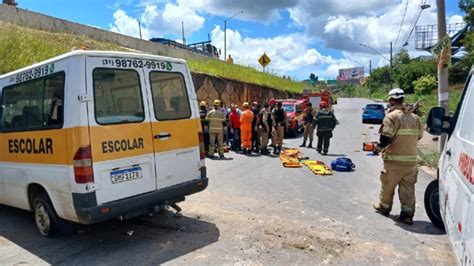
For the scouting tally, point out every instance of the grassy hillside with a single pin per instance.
(248, 74)
(20, 47)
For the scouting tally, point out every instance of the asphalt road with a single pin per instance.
(255, 212)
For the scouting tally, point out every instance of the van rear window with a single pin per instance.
(170, 97)
(117, 96)
(33, 105)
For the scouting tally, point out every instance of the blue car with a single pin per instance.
(373, 114)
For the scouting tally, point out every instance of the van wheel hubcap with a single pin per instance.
(42, 220)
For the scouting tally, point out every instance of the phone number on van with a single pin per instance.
(129, 63)
(34, 73)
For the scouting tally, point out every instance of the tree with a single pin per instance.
(412, 71)
(380, 76)
(425, 84)
(468, 7)
(401, 58)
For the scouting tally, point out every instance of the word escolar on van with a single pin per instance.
(90, 136)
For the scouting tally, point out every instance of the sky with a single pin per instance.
(300, 36)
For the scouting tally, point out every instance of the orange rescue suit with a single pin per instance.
(246, 129)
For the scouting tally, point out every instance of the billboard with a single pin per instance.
(355, 73)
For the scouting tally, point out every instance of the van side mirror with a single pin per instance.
(435, 122)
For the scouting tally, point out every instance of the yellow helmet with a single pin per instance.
(245, 105)
(203, 103)
(217, 103)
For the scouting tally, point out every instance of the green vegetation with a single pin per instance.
(425, 84)
(429, 159)
(246, 74)
(20, 47)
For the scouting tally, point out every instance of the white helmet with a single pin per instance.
(396, 93)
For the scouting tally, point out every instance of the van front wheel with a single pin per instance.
(46, 219)
(432, 204)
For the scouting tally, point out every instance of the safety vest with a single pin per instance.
(279, 115)
(309, 117)
(246, 120)
(325, 120)
(216, 120)
(404, 130)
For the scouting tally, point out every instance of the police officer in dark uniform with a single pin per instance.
(325, 122)
(204, 124)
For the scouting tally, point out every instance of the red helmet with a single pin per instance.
(323, 104)
(272, 102)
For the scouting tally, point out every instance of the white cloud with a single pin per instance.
(455, 19)
(288, 52)
(127, 25)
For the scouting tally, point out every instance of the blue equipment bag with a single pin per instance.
(342, 164)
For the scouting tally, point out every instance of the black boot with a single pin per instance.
(310, 146)
(304, 144)
(275, 150)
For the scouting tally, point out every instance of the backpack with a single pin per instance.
(342, 164)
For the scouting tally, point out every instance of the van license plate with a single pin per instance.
(124, 175)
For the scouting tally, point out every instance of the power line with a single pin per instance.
(414, 25)
(401, 24)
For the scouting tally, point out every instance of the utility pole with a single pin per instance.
(225, 39)
(370, 78)
(182, 31)
(443, 94)
(140, 29)
(391, 67)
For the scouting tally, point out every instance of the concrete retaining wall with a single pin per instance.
(209, 88)
(39, 21)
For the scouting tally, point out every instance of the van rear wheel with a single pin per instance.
(432, 204)
(46, 219)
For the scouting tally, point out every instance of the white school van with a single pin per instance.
(90, 136)
(449, 200)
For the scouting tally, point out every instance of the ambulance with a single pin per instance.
(90, 136)
(449, 200)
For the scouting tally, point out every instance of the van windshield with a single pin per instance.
(289, 108)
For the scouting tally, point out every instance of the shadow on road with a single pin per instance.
(142, 240)
(419, 227)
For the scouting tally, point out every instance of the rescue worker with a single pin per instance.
(279, 122)
(246, 128)
(271, 136)
(204, 124)
(234, 125)
(264, 129)
(325, 122)
(255, 123)
(216, 120)
(399, 134)
(309, 120)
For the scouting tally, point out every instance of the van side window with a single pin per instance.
(170, 97)
(33, 105)
(466, 130)
(117, 96)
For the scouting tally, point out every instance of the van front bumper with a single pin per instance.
(89, 213)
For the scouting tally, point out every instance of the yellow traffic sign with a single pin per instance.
(264, 60)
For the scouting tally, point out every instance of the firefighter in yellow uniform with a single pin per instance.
(216, 120)
(399, 134)
(279, 123)
(309, 122)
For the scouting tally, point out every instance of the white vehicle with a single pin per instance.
(449, 200)
(90, 136)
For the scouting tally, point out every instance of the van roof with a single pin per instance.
(92, 53)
